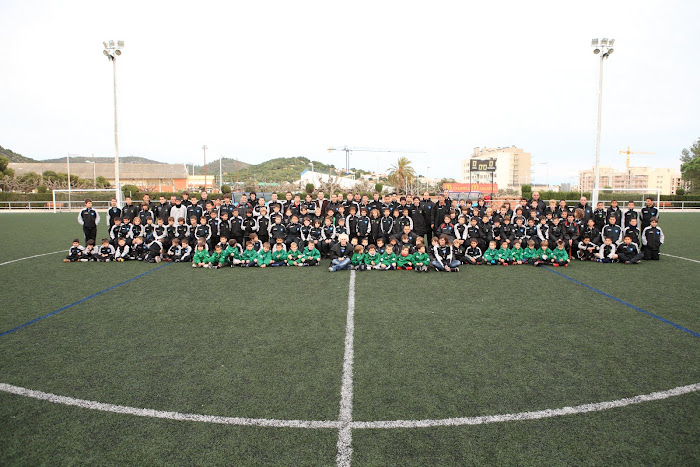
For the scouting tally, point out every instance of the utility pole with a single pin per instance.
(204, 148)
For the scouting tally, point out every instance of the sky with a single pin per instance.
(257, 80)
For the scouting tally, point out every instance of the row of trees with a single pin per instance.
(44, 182)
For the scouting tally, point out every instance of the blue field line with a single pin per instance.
(83, 300)
(677, 326)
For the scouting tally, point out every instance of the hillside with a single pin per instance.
(14, 157)
(281, 169)
(105, 160)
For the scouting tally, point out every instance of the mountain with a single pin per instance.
(14, 157)
(104, 160)
(281, 169)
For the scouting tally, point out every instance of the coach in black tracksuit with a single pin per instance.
(89, 219)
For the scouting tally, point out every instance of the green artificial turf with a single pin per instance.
(270, 344)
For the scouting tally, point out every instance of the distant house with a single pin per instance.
(155, 177)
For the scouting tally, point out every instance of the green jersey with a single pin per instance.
(293, 256)
(421, 259)
(249, 255)
(529, 253)
(372, 260)
(215, 257)
(388, 259)
(403, 261)
(357, 259)
(491, 255)
(264, 257)
(312, 254)
(200, 257)
(232, 253)
(544, 254)
(560, 254)
(504, 254)
(278, 256)
(516, 254)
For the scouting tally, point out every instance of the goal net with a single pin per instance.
(69, 200)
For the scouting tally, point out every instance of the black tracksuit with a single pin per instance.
(652, 239)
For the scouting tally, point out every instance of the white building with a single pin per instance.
(638, 178)
(512, 167)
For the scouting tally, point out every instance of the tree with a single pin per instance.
(688, 155)
(309, 188)
(401, 173)
(691, 173)
(4, 169)
(690, 169)
(378, 187)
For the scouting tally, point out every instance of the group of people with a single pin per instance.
(354, 232)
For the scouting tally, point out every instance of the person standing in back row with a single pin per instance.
(89, 219)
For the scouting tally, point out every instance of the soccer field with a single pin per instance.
(135, 363)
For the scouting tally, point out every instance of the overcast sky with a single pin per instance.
(257, 80)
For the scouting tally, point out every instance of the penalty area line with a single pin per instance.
(641, 310)
(9, 331)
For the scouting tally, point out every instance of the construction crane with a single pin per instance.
(627, 163)
(348, 150)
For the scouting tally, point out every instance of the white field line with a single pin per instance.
(30, 257)
(663, 254)
(344, 446)
(548, 413)
(188, 417)
(317, 424)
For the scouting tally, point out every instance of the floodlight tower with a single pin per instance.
(112, 51)
(605, 46)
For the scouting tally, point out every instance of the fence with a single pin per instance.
(77, 205)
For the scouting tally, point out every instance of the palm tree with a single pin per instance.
(401, 173)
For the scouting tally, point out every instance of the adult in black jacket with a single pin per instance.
(440, 210)
(587, 209)
(418, 217)
(428, 207)
(536, 197)
(129, 210)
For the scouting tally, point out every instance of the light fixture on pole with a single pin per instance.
(604, 48)
(112, 51)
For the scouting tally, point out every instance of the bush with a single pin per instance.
(378, 187)
(225, 189)
(130, 190)
(309, 188)
(680, 191)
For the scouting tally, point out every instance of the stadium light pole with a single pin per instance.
(112, 51)
(204, 148)
(606, 47)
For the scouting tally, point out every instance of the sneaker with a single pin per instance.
(330, 269)
(408, 268)
(194, 265)
(82, 260)
(66, 260)
(555, 265)
(157, 259)
(566, 265)
(455, 269)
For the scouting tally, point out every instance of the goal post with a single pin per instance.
(68, 199)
